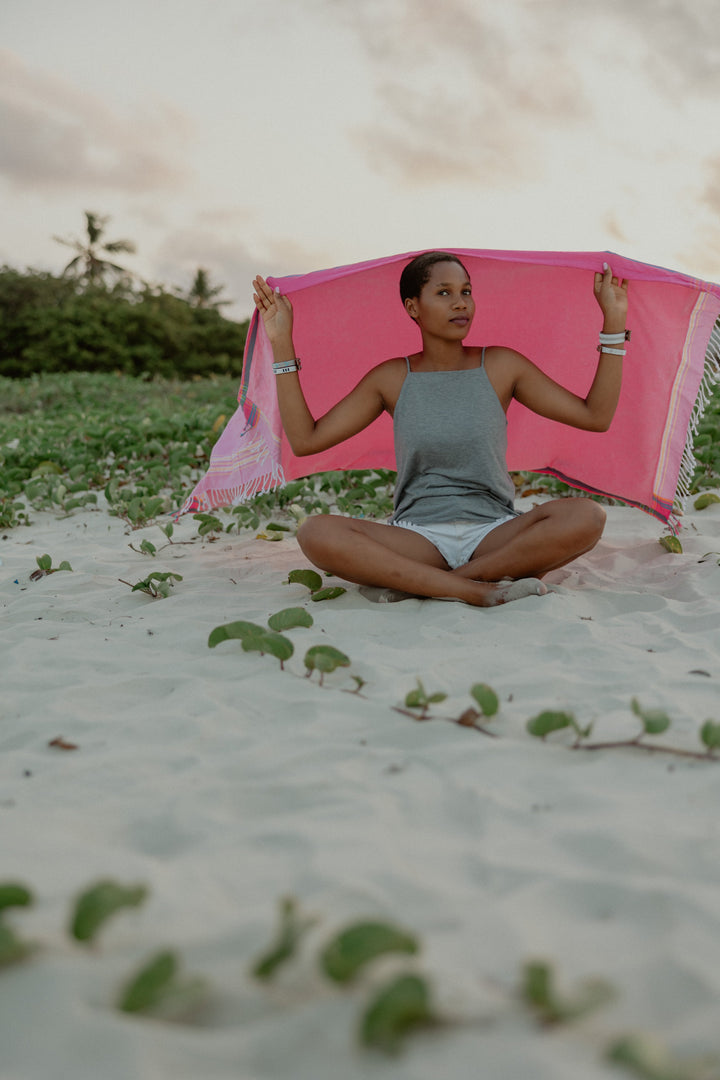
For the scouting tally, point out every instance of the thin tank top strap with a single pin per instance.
(482, 357)
(407, 361)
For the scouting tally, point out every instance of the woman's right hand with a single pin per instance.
(276, 311)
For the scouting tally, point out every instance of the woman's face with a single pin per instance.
(445, 306)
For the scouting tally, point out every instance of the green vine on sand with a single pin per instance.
(483, 695)
(158, 584)
(654, 722)
(394, 1004)
(45, 567)
(155, 990)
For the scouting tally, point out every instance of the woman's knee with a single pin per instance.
(590, 519)
(309, 534)
(583, 519)
(317, 537)
(596, 516)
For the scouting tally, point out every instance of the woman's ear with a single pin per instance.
(411, 307)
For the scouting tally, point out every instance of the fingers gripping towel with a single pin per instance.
(350, 318)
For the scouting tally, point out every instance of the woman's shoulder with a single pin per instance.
(501, 356)
(387, 378)
(389, 370)
(396, 363)
(503, 367)
(502, 352)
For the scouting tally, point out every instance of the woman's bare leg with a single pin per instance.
(369, 553)
(539, 541)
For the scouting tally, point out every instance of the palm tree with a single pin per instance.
(202, 294)
(88, 262)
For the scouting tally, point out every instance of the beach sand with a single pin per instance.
(224, 784)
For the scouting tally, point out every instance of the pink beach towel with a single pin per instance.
(350, 318)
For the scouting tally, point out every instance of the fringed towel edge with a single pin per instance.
(213, 498)
(688, 462)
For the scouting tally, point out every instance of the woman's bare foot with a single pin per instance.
(491, 594)
(485, 594)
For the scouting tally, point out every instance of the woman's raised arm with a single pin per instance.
(305, 434)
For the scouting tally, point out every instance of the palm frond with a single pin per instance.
(95, 225)
(114, 246)
(72, 264)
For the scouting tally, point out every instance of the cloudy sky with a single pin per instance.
(284, 136)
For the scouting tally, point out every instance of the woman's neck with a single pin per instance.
(444, 356)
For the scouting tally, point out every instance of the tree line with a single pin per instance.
(96, 316)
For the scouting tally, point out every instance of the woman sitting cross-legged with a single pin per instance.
(454, 533)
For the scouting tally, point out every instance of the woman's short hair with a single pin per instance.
(417, 272)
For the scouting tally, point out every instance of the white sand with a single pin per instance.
(223, 784)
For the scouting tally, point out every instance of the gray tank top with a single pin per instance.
(450, 447)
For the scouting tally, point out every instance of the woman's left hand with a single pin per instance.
(612, 296)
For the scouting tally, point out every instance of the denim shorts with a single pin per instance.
(456, 540)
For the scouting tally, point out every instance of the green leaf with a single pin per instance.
(329, 593)
(640, 1056)
(291, 930)
(710, 734)
(44, 562)
(47, 468)
(269, 642)
(325, 658)
(272, 526)
(157, 990)
(14, 895)
(98, 903)
(486, 698)
(233, 631)
(671, 544)
(158, 583)
(166, 575)
(147, 987)
(310, 578)
(208, 523)
(417, 697)
(647, 1058)
(655, 721)
(703, 501)
(289, 618)
(356, 946)
(400, 1006)
(546, 722)
(65, 565)
(538, 991)
(537, 986)
(11, 948)
(147, 548)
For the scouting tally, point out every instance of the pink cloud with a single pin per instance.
(56, 136)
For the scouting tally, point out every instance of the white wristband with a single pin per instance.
(614, 339)
(607, 349)
(283, 367)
